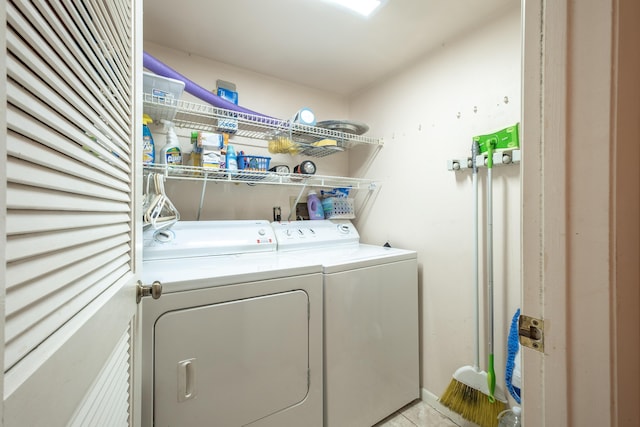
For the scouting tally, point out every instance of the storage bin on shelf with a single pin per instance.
(251, 168)
(253, 163)
(161, 95)
(338, 208)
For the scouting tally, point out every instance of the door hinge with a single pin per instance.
(531, 332)
(155, 290)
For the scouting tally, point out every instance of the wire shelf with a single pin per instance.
(254, 177)
(202, 117)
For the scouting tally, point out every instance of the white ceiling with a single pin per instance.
(313, 42)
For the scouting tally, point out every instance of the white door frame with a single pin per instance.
(580, 216)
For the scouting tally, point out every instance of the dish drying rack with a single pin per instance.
(304, 139)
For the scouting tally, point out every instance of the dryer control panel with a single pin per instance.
(206, 238)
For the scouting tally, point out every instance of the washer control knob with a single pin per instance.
(344, 228)
(288, 232)
(262, 232)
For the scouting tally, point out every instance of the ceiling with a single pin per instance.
(313, 42)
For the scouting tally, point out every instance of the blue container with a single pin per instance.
(254, 163)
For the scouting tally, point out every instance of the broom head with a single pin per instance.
(468, 395)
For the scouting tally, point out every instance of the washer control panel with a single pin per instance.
(294, 235)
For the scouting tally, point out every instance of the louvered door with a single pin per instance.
(72, 120)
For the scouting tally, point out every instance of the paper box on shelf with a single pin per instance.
(211, 144)
(227, 92)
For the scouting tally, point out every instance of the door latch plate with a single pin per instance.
(531, 332)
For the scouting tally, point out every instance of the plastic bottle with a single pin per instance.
(231, 159)
(510, 417)
(314, 206)
(170, 153)
(148, 147)
(196, 151)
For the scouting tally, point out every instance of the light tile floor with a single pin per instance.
(416, 414)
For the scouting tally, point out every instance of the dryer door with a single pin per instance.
(231, 363)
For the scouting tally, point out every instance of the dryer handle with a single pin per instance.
(186, 379)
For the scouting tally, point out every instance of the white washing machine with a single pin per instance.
(371, 344)
(235, 339)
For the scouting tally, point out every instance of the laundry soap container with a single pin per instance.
(170, 153)
(314, 206)
(148, 147)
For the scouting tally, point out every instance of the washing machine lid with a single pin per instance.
(187, 239)
(182, 274)
(339, 259)
(363, 256)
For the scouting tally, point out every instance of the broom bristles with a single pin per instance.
(472, 404)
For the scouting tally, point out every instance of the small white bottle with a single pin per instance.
(510, 417)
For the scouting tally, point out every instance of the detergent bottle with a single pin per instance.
(170, 154)
(314, 206)
(148, 147)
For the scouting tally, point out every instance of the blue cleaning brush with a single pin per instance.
(512, 350)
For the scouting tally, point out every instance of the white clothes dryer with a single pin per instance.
(371, 343)
(235, 339)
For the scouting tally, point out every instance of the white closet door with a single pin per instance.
(72, 122)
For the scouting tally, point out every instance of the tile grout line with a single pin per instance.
(407, 418)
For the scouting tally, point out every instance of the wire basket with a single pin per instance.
(338, 208)
(253, 163)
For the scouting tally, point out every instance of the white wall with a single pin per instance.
(423, 206)
(420, 205)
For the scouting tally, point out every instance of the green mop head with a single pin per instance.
(504, 139)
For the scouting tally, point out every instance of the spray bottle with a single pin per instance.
(170, 153)
(148, 147)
